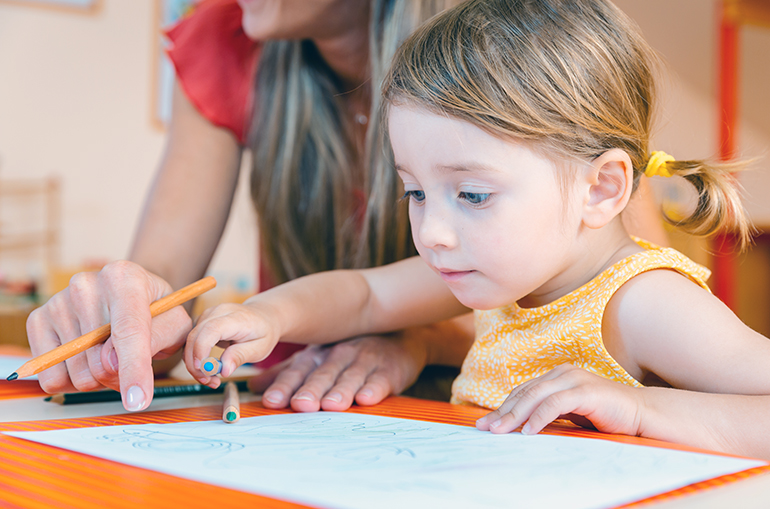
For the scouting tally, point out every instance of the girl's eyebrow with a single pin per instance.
(474, 166)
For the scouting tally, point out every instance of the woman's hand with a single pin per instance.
(120, 294)
(567, 392)
(248, 332)
(365, 370)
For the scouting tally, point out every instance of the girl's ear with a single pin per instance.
(610, 179)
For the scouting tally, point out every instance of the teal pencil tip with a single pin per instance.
(231, 416)
(12, 376)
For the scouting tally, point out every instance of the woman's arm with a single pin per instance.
(183, 221)
(323, 308)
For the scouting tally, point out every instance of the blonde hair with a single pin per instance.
(573, 77)
(305, 157)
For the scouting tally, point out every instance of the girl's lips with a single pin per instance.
(452, 275)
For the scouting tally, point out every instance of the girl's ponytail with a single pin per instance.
(718, 206)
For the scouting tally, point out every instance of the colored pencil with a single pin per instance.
(232, 407)
(163, 391)
(95, 337)
(211, 366)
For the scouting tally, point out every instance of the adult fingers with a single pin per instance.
(378, 386)
(43, 338)
(129, 290)
(328, 366)
(88, 305)
(279, 393)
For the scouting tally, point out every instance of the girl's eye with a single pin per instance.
(417, 196)
(474, 198)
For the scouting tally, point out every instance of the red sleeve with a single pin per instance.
(215, 63)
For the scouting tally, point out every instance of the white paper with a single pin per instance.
(342, 460)
(9, 364)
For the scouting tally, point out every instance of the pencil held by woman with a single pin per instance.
(97, 336)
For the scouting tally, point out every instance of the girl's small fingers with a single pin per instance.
(484, 422)
(551, 408)
(526, 403)
(241, 353)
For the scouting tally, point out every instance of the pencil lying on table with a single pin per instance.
(160, 391)
(93, 338)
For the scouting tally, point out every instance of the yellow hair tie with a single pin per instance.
(657, 164)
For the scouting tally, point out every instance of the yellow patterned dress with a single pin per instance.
(515, 344)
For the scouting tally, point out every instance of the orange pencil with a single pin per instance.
(86, 341)
(232, 407)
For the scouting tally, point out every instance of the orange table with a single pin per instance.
(33, 475)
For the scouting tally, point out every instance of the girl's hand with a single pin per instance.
(247, 332)
(567, 392)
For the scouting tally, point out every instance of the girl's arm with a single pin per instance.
(322, 308)
(690, 340)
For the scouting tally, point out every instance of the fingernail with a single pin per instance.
(334, 396)
(496, 423)
(112, 358)
(304, 396)
(366, 393)
(134, 398)
(526, 430)
(197, 363)
(273, 396)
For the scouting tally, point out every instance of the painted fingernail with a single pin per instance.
(303, 396)
(112, 358)
(134, 398)
(526, 429)
(334, 396)
(273, 396)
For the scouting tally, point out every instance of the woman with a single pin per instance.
(322, 183)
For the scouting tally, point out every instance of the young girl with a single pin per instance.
(520, 130)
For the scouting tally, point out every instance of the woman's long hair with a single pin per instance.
(305, 159)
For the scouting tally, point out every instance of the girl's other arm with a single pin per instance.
(322, 308)
(690, 340)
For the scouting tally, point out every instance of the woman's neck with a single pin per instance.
(347, 54)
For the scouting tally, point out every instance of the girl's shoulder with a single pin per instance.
(652, 258)
(215, 63)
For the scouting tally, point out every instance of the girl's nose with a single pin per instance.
(436, 230)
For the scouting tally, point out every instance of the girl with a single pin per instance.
(520, 130)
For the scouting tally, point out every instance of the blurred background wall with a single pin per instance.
(77, 101)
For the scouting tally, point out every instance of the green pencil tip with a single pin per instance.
(49, 398)
(231, 416)
(12, 376)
